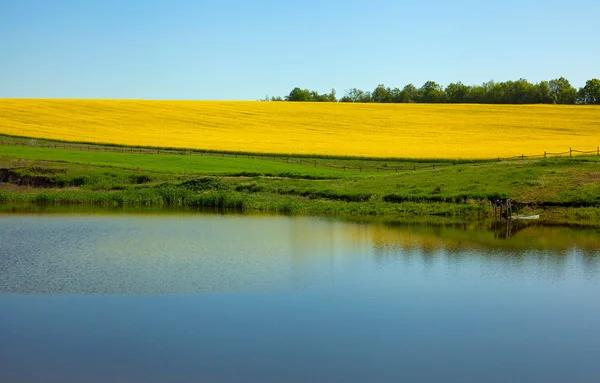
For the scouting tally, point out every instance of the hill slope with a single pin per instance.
(376, 130)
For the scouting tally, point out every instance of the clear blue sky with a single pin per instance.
(234, 49)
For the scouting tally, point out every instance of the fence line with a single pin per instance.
(291, 160)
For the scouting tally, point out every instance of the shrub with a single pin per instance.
(204, 184)
(251, 187)
(139, 179)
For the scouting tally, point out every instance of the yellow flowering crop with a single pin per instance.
(377, 130)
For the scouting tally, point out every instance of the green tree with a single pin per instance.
(353, 95)
(396, 95)
(366, 97)
(457, 92)
(316, 97)
(332, 96)
(493, 92)
(382, 94)
(432, 92)
(298, 94)
(561, 91)
(544, 93)
(477, 95)
(590, 93)
(519, 92)
(557, 91)
(409, 93)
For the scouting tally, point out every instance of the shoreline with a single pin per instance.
(475, 212)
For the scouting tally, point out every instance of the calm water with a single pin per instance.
(189, 298)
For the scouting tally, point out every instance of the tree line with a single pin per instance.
(557, 91)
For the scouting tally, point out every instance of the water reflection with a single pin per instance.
(514, 238)
(507, 229)
(548, 252)
(192, 254)
(184, 297)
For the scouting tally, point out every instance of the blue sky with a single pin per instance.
(244, 50)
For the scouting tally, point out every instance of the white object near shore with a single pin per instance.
(534, 216)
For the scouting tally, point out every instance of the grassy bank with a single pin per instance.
(563, 189)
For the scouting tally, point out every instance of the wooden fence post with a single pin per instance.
(598, 151)
(522, 157)
(570, 152)
(544, 154)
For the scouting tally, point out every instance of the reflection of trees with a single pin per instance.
(547, 251)
(318, 247)
(508, 228)
(522, 236)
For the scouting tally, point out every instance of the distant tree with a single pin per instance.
(545, 93)
(561, 91)
(521, 91)
(432, 92)
(590, 93)
(382, 94)
(366, 97)
(332, 96)
(351, 95)
(316, 97)
(477, 95)
(278, 98)
(526, 92)
(409, 93)
(298, 94)
(396, 95)
(493, 92)
(457, 92)
(356, 95)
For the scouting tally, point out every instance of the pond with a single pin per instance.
(196, 297)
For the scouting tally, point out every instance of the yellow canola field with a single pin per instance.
(376, 130)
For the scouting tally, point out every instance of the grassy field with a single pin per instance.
(169, 163)
(56, 176)
(370, 130)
